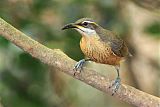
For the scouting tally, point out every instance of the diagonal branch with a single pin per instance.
(61, 61)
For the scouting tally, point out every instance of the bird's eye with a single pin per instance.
(85, 23)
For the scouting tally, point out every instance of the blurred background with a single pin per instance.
(26, 82)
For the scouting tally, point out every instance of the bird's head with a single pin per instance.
(84, 26)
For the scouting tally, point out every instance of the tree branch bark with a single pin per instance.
(56, 58)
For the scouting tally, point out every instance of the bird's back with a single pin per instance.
(116, 44)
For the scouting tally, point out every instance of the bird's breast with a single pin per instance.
(98, 51)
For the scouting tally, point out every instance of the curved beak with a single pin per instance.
(68, 26)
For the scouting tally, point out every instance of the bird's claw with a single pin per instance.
(79, 66)
(116, 85)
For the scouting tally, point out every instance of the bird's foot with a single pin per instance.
(116, 85)
(79, 66)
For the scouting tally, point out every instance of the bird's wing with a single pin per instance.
(117, 45)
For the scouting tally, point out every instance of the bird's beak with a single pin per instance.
(68, 26)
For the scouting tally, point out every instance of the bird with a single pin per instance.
(100, 45)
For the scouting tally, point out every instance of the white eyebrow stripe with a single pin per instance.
(88, 21)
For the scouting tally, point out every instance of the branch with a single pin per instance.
(61, 61)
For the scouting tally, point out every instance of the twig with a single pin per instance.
(61, 61)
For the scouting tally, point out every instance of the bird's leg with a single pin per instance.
(117, 81)
(79, 65)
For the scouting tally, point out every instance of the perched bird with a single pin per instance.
(99, 45)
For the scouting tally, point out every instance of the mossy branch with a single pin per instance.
(56, 58)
